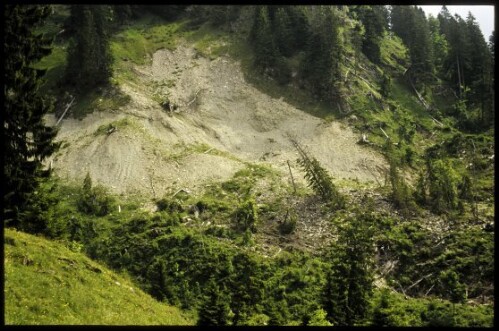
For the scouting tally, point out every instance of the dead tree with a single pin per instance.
(66, 110)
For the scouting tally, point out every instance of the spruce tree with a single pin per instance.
(319, 179)
(266, 52)
(215, 308)
(27, 141)
(455, 32)
(372, 18)
(246, 288)
(410, 24)
(349, 283)
(321, 65)
(300, 27)
(443, 186)
(122, 13)
(489, 114)
(283, 32)
(440, 44)
(89, 58)
(478, 70)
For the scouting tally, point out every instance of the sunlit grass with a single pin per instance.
(47, 283)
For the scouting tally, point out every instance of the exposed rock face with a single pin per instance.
(221, 122)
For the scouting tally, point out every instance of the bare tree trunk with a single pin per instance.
(461, 81)
(387, 137)
(292, 179)
(65, 111)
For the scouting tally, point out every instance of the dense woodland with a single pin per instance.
(404, 76)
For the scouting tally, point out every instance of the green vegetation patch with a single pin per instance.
(393, 53)
(55, 66)
(138, 43)
(47, 283)
(209, 42)
(123, 123)
(108, 99)
(395, 309)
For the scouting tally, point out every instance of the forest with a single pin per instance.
(201, 152)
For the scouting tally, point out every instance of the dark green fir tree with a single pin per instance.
(89, 57)
(27, 141)
(215, 309)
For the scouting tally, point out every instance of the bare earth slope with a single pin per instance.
(221, 123)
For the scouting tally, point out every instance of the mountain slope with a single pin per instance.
(221, 123)
(47, 283)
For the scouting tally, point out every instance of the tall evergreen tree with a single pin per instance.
(246, 287)
(266, 52)
(455, 31)
(89, 57)
(478, 68)
(349, 283)
(321, 66)
(122, 13)
(374, 21)
(468, 68)
(440, 44)
(283, 31)
(410, 24)
(489, 116)
(27, 141)
(300, 27)
(492, 43)
(401, 17)
(215, 309)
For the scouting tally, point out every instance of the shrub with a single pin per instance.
(94, 200)
(319, 179)
(443, 181)
(409, 155)
(288, 225)
(171, 206)
(211, 205)
(246, 215)
(318, 318)
(401, 193)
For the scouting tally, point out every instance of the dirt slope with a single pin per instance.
(221, 123)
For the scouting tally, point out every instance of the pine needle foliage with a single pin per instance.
(27, 142)
(319, 179)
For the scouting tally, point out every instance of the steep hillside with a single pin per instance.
(221, 123)
(260, 165)
(48, 283)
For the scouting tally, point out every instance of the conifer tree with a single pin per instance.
(283, 32)
(246, 287)
(319, 179)
(215, 308)
(443, 186)
(349, 283)
(89, 57)
(300, 27)
(440, 44)
(478, 68)
(373, 20)
(266, 52)
(321, 66)
(122, 13)
(410, 24)
(489, 114)
(455, 32)
(401, 194)
(26, 141)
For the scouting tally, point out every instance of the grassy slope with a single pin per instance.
(137, 43)
(47, 283)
